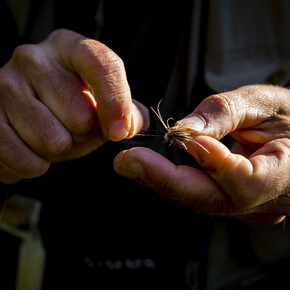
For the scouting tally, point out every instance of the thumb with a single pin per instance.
(253, 112)
(216, 116)
(104, 73)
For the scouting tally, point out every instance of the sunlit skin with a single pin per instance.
(48, 114)
(249, 183)
(91, 97)
(48, 93)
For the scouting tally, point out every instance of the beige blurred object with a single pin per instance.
(20, 218)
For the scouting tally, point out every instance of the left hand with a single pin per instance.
(251, 182)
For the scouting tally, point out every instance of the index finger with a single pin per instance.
(186, 185)
(103, 71)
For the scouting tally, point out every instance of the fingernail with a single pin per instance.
(193, 122)
(130, 168)
(118, 130)
(132, 129)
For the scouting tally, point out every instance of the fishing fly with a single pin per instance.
(177, 134)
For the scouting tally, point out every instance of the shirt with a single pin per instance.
(107, 232)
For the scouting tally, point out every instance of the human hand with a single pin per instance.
(249, 183)
(45, 116)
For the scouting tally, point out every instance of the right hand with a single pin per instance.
(45, 116)
(250, 182)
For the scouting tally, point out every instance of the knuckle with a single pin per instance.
(29, 58)
(283, 146)
(58, 33)
(281, 149)
(23, 50)
(222, 112)
(54, 146)
(24, 53)
(103, 60)
(62, 33)
(223, 103)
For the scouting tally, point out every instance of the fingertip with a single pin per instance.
(118, 158)
(128, 166)
(145, 156)
(205, 148)
(138, 122)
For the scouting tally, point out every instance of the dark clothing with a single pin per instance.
(104, 232)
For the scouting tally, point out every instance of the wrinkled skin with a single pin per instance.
(251, 182)
(45, 117)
